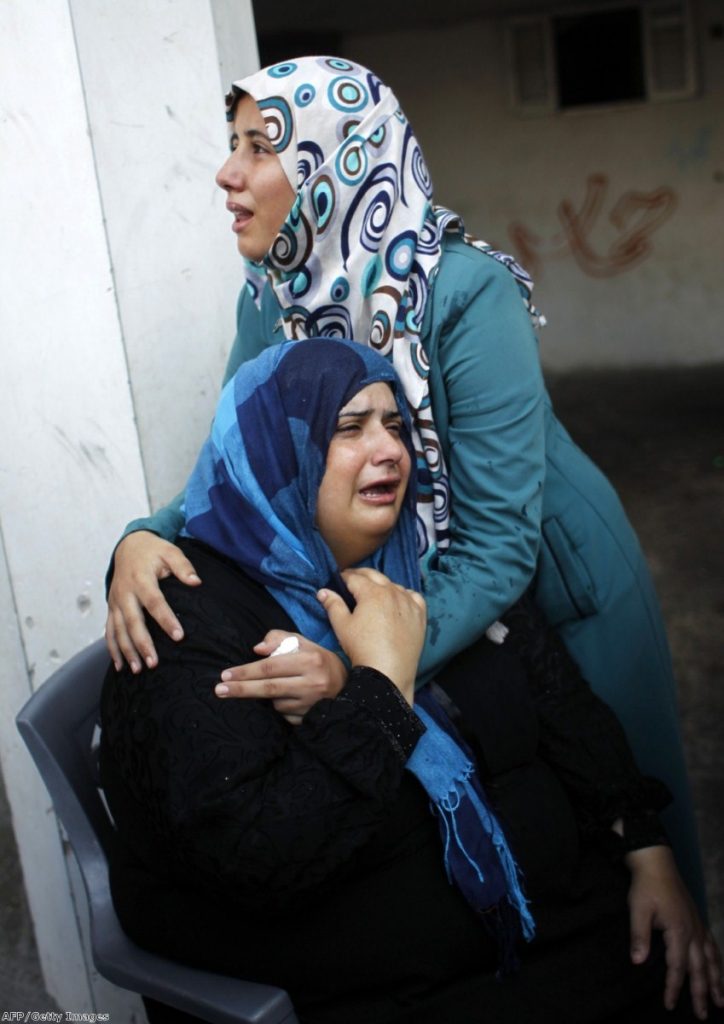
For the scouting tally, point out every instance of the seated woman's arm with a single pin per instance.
(582, 738)
(658, 899)
(227, 790)
(295, 682)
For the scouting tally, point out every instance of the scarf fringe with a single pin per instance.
(510, 869)
(509, 919)
(476, 854)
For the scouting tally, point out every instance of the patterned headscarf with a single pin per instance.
(253, 497)
(357, 254)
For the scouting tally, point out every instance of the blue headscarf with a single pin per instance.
(253, 497)
(253, 493)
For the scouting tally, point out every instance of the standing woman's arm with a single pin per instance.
(487, 395)
(147, 552)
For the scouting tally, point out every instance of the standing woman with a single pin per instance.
(333, 213)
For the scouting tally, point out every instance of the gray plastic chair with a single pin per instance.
(58, 724)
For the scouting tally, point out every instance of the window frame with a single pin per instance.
(653, 14)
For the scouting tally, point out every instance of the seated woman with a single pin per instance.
(296, 847)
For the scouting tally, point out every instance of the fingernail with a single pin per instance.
(321, 595)
(193, 578)
(178, 634)
(220, 690)
(151, 661)
(118, 665)
(135, 667)
(226, 674)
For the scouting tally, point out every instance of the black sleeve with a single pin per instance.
(583, 740)
(227, 790)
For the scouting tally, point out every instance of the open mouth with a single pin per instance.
(381, 492)
(242, 216)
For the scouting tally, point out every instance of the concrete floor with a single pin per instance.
(659, 435)
(21, 984)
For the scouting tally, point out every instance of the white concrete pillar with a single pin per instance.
(117, 292)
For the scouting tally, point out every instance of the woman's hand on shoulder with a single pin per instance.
(659, 899)
(140, 561)
(386, 629)
(293, 682)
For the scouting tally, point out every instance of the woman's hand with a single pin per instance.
(659, 899)
(140, 561)
(385, 631)
(293, 682)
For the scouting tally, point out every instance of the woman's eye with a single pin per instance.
(347, 428)
(395, 428)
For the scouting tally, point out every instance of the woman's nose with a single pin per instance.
(230, 175)
(388, 447)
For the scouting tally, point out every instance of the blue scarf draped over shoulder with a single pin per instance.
(253, 496)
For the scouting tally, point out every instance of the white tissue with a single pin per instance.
(497, 632)
(289, 645)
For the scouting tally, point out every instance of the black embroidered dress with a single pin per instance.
(306, 856)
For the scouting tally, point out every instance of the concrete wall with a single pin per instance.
(659, 165)
(117, 300)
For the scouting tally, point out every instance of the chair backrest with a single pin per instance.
(58, 725)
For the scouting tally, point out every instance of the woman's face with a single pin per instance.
(258, 191)
(366, 476)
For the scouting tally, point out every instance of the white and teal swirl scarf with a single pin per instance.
(359, 250)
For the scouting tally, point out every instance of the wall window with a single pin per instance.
(599, 57)
(631, 52)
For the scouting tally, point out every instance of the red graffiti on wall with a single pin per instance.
(635, 216)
